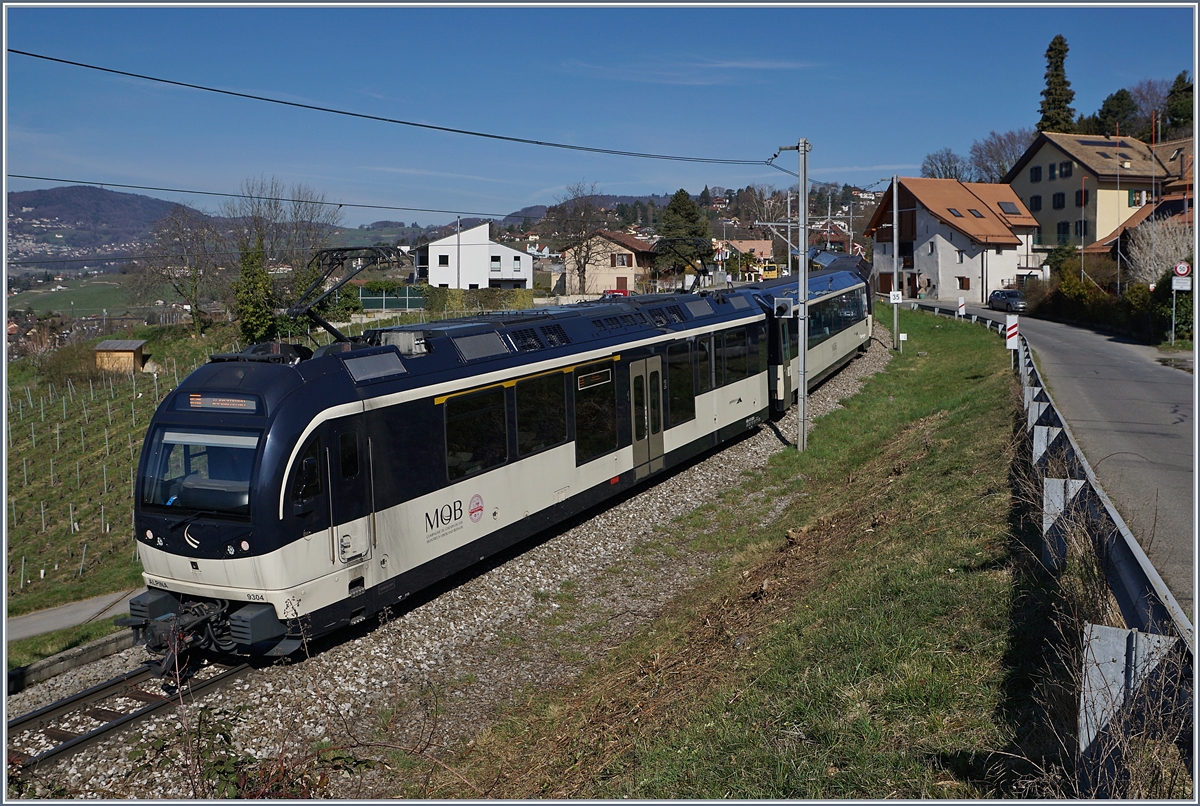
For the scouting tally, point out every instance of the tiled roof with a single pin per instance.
(1104, 156)
(1177, 208)
(630, 242)
(942, 198)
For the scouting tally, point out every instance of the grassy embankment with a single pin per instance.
(864, 643)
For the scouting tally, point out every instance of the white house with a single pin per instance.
(956, 239)
(469, 259)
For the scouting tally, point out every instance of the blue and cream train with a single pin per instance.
(282, 494)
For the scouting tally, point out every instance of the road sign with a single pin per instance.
(1182, 269)
(962, 307)
(895, 297)
(1181, 283)
(1010, 329)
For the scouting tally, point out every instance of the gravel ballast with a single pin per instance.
(445, 666)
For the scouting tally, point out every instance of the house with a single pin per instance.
(1176, 208)
(616, 261)
(1080, 186)
(120, 355)
(955, 239)
(469, 259)
(762, 248)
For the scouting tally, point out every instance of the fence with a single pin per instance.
(405, 298)
(1119, 665)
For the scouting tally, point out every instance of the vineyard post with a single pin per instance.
(71, 517)
(22, 572)
(43, 515)
(82, 560)
(25, 469)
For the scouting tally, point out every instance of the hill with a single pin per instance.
(93, 216)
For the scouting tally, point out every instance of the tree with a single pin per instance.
(1118, 110)
(994, 156)
(1155, 246)
(705, 197)
(254, 300)
(576, 218)
(1057, 114)
(1179, 108)
(945, 164)
(183, 257)
(1149, 95)
(290, 224)
(682, 218)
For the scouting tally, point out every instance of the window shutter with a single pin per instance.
(613, 258)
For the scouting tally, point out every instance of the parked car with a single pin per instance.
(1009, 300)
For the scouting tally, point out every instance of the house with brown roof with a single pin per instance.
(955, 239)
(1080, 186)
(616, 261)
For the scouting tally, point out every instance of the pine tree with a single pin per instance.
(1179, 107)
(681, 218)
(1057, 114)
(705, 197)
(253, 297)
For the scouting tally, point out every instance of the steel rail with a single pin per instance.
(123, 685)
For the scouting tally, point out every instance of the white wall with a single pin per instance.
(479, 268)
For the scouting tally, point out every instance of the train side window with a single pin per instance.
(793, 329)
(541, 413)
(306, 477)
(704, 364)
(735, 355)
(476, 433)
(681, 391)
(348, 453)
(761, 349)
(595, 412)
(655, 390)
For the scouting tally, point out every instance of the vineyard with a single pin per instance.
(74, 436)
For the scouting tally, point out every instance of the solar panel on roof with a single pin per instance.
(1008, 208)
(1104, 144)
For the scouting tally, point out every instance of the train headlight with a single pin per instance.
(245, 545)
(158, 542)
(149, 535)
(229, 549)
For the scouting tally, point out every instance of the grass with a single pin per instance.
(91, 295)
(36, 647)
(856, 646)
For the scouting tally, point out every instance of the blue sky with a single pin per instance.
(874, 89)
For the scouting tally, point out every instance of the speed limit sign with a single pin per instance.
(1182, 269)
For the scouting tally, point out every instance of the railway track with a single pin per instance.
(93, 715)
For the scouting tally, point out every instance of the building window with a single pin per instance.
(964, 283)
(1035, 203)
(472, 285)
(1081, 198)
(1137, 198)
(1059, 201)
(1035, 173)
(1064, 231)
(999, 250)
(959, 253)
(1081, 228)
(516, 262)
(954, 212)
(620, 261)
(1050, 170)
(443, 260)
(931, 247)
(495, 263)
(975, 213)
(1064, 169)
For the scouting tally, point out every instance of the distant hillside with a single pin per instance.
(93, 216)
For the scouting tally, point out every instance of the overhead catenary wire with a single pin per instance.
(396, 121)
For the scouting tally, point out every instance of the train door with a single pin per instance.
(785, 363)
(348, 468)
(645, 385)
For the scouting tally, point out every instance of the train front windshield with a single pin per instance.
(196, 469)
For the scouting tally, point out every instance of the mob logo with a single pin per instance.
(443, 516)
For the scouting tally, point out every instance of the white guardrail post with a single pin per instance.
(1154, 651)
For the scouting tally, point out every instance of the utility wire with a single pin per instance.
(362, 116)
(258, 198)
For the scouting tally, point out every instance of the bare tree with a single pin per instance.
(945, 164)
(766, 203)
(993, 156)
(1155, 246)
(576, 218)
(1149, 95)
(291, 225)
(185, 257)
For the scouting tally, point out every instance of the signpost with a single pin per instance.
(1182, 281)
(962, 307)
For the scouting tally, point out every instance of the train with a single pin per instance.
(284, 493)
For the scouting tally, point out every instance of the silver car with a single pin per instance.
(1009, 300)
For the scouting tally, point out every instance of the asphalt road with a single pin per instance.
(1133, 417)
(108, 606)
